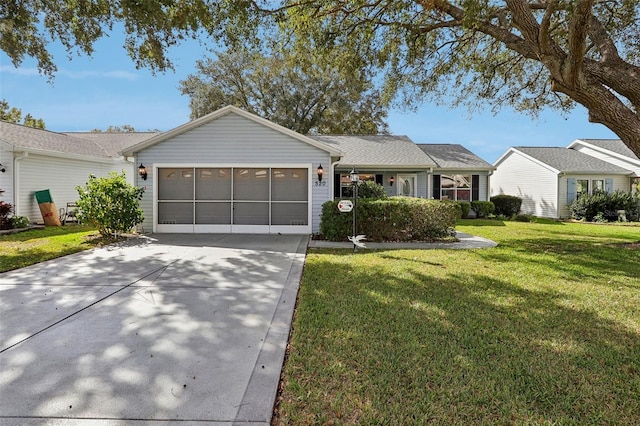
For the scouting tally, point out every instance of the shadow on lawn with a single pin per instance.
(466, 348)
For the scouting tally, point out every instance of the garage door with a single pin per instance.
(233, 199)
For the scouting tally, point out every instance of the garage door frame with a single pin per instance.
(240, 229)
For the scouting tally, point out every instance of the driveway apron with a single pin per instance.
(173, 328)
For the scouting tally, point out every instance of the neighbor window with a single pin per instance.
(597, 185)
(346, 187)
(455, 187)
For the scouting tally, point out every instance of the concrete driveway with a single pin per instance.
(178, 328)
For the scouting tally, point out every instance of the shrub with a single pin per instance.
(369, 189)
(465, 208)
(507, 205)
(19, 222)
(5, 211)
(482, 209)
(366, 189)
(602, 206)
(110, 204)
(523, 218)
(391, 219)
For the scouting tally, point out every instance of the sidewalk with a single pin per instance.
(466, 241)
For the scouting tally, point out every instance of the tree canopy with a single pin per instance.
(14, 115)
(523, 53)
(297, 94)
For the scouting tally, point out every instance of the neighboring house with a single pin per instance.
(34, 159)
(231, 171)
(548, 179)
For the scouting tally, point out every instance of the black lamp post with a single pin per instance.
(355, 177)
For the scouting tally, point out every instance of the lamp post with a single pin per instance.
(355, 177)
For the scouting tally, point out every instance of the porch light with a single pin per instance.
(2, 168)
(391, 180)
(320, 172)
(142, 171)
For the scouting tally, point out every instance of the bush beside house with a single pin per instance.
(392, 219)
(482, 209)
(604, 207)
(506, 205)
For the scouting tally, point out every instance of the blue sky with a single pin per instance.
(105, 90)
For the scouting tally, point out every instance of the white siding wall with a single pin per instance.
(619, 182)
(6, 178)
(59, 175)
(613, 160)
(235, 140)
(535, 184)
(421, 185)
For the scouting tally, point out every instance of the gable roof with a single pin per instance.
(564, 160)
(615, 146)
(229, 109)
(377, 150)
(454, 156)
(86, 145)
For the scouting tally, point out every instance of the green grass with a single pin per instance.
(37, 245)
(543, 329)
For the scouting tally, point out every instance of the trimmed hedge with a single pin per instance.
(465, 208)
(506, 205)
(392, 219)
(482, 209)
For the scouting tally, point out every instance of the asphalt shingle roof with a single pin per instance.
(99, 145)
(377, 150)
(613, 145)
(453, 156)
(570, 161)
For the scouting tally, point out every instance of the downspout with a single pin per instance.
(429, 184)
(16, 183)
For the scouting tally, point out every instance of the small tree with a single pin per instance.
(110, 204)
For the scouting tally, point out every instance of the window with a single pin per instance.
(346, 187)
(597, 185)
(455, 187)
(582, 187)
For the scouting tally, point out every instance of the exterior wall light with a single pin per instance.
(391, 180)
(142, 171)
(320, 172)
(2, 168)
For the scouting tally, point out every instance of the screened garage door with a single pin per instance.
(233, 199)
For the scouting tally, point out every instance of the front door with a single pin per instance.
(407, 185)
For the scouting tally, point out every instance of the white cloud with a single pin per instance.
(29, 72)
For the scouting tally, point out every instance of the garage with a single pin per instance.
(232, 172)
(238, 199)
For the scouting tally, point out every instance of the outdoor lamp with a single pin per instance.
(2, 168)
(391, 180)
(354, 176)
(320, 172)
(142, 171)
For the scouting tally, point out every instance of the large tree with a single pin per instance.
(300, 95)
(529, 54)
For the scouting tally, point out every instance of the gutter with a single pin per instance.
(16, 182)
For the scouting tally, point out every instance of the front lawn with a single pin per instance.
(543, 329)
(37, 245)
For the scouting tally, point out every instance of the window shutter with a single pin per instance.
(436, 187)
(475, 187)
(336, 185)
(571, 190)
(379, 179)
(608, 185)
